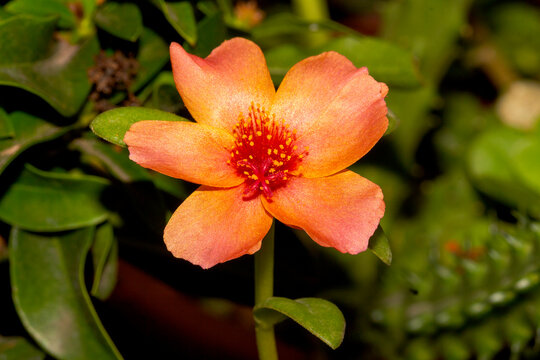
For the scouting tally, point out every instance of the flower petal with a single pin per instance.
(341, 211)
(220, 87)
(185, 150)
(338, 111)
(216, 225)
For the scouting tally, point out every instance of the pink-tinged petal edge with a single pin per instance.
(338, 111)
(216, 225)
(185, 150)
(340, 211)
(220, 87)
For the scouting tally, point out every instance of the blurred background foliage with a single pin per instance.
(84, 271)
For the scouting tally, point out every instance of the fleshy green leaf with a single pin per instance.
(6, 129)
(283, 25)
(164, 94)
(211, 33)
(47, 201)
(105, 259)
(60, 78)
(379, 245)
(44, 8)
(385, 61)
(17, 32)
(4, 14)
(138, 186)
(29, 130)
(112, 125)
(281, 58)
(153, 55)
(181, 16)
(320, 317)
(47, 278)
(491, 166)
(526, 163)
(121, 20)
(17, 348)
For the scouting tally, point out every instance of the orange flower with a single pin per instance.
(261, 153)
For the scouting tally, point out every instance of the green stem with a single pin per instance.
(264, 288)
(312, 11)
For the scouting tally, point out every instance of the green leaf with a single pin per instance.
(4, 14)
(491, 166)
(320, 317)
(105, 259)
(526, 164)
(281, 58)
(18, 31)
(169, 185)
(514, 26)
(433, 40)
(211, 33)
(379, 245)
(18, 348)
(44, 8)
(393, 122)
(181, 16)
(121, 20)
(152, 56)
(138, 186)
(6, 129)
(47, 278)
(207, 7)
(112, 125)
(385, 61)
(60, 78)
(164, 93)
(284, 25)
(29, 130)
(47, 201)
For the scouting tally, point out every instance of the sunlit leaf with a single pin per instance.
(18, 348)
(54, 71)
(28, 130)
(121, 20)
(379, 245)
(320, 317)
(50, 295)
(50, 201)
(112, 125)
(105, 259)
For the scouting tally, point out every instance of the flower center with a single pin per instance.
(264, 152)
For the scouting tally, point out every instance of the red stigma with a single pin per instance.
(264, 153)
